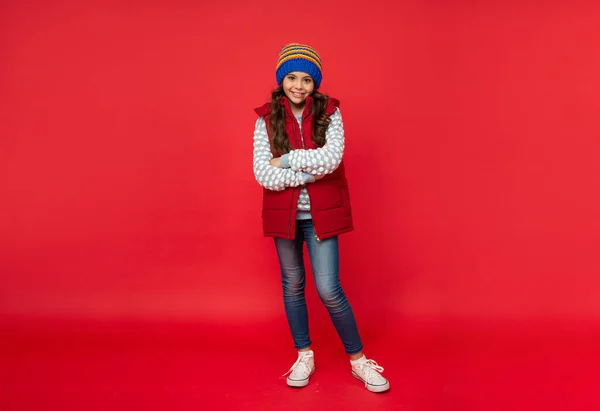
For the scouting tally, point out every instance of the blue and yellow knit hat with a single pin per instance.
(299, 57)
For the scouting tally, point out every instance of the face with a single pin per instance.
(297, 86)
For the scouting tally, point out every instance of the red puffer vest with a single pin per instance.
(329, 196)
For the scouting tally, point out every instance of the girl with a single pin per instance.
(298, 148)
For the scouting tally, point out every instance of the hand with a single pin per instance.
(275, 162)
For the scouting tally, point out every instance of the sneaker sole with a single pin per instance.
(300, 383)
(373, 388)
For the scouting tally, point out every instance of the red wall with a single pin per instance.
(126, 181)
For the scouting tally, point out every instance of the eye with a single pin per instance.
(308, 80)
(291, 77)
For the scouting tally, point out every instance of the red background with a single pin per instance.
(472, 154)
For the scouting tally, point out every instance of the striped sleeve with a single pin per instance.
(268, 176)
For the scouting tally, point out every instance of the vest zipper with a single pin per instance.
(293, 193)
(290, 215)
(301, 136)
(302, 141)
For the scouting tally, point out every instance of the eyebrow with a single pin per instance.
(303, 77)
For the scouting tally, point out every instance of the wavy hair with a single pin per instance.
(280, 143)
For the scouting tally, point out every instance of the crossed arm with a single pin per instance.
(298, 167)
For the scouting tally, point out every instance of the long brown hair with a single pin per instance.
(280, 143)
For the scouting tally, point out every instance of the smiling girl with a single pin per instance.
(298, 150)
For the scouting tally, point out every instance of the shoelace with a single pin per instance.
(299, 361)
(370, 366)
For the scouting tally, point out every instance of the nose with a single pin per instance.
(298, 84)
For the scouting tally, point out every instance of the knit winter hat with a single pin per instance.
(299, 57)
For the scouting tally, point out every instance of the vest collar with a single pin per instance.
(288, 108)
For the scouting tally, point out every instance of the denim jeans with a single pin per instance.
(324, 260)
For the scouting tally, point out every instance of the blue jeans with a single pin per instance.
(324, 260)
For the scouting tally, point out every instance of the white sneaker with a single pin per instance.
(368, 371)
(302, 369)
